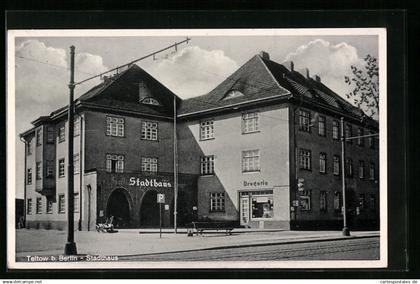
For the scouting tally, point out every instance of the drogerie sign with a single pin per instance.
(149, 182)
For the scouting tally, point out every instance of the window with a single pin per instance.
(50, 134)
(322, 163)
(61, 168)
(49, 206)
(362, 201)
(371, 141)
(149, 164)
(61, 203)
(50, 168)
(76, 202)
(61, 134)
(349, 133)
(29, 147)
(335, 130)
(150, 101)
(114, 163)
(250, 122)
(373, 201)
(29, 206)
(372, 171)
(29, 176)
(217, 201)
(207, 165)
(206, 130)
(76, 129)
(251, 161)
(304, 120)
(305, 202)
(337, 201)
(361, 169)
(321, 126)
(349, 167)
(38, 205)
(149, 130)
(360, 140)
(336, 165)
(76, 163)
(115, 126)
(38, 171)
(305, 159)
(233, 94)
(262, 206)
(39, 137)
(323, 201)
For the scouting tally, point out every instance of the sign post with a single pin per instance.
(160, 200)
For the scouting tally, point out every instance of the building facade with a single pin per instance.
(261, 150)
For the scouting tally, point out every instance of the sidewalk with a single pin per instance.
(146, 241)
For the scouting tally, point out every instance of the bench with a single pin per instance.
(200, 227)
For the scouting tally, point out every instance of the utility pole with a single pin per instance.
(346, 231)
(175, 172)
(70, 248)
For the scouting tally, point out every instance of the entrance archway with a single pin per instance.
(119, 207)
(149, 210)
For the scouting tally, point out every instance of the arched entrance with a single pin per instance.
(119, 207)
(149, 210)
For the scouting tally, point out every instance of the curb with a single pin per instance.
(308, 240)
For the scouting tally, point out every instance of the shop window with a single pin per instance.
(76, 129)
(61, 134)
(321, 125)
(29, 176)
(114, 163)
(349, 133)
(76, 202)
(39, 137)
(50, 168)
(323, 201)
(149, 164)
(372, 171)
(207, 165)
(29, 206)
(337, 201)
(38, 170)
(262, 207)
(115, 126)
(38, 205)
(49, 206)
(61, 203)
(29, 147)
(322, 163)
(207, 129)
(50, 134)
(61, 168)
(149, 130)
(336, 165)
(335, 130)
(305, 159)
(76, 163)
(361, 169)
(360, 139)
(349, 167)
(217, 201)
(250, 122)
(251, 161)
(304, 120)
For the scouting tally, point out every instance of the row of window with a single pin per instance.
(305, 202)
(305, 124)
(61, 208)
(250, 124)
(250, 162)
(305, 163)
(50, 165)
(115, 126)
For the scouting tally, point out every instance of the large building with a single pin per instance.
(261, 150)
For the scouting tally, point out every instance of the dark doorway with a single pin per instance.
(119, 207)
(149, 210)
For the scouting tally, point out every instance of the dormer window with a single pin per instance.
(233, 94)
(150, 101)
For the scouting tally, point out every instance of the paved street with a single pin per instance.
(350, 249)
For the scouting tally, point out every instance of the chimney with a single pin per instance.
(292, 66)
(265, 55)
(317, 78)
(307, 74)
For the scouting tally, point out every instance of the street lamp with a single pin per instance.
(346, 231)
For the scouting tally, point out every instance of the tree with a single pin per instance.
(365, 84)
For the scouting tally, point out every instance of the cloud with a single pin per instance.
(331, 62)
(193, 71)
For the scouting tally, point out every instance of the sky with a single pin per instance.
(42, 66)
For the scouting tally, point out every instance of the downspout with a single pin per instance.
(24, 186)
(81, 173)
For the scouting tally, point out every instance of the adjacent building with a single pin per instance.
(261, 150)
